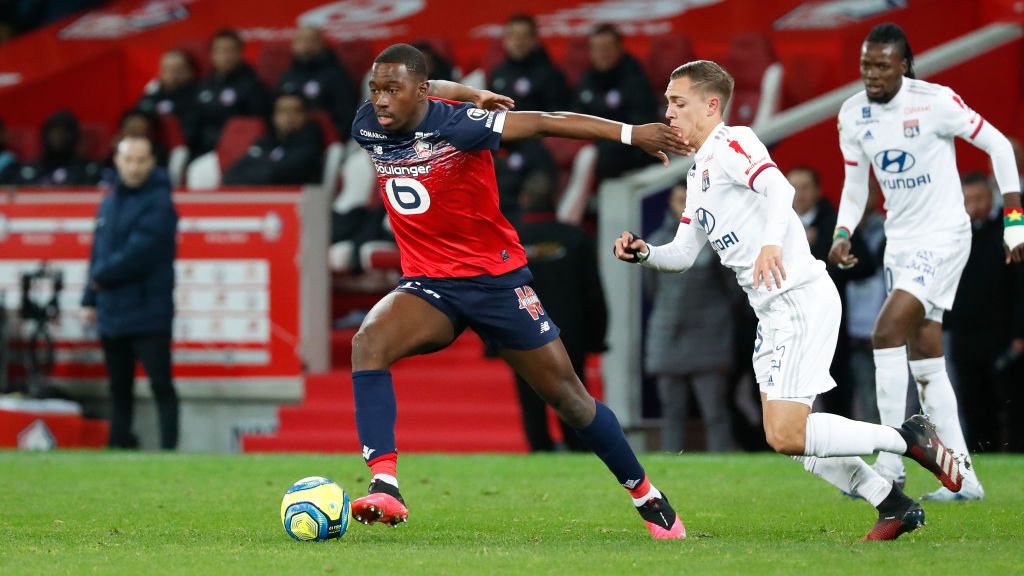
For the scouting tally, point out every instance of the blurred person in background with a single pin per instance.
(563, 260)
(231, 89)
(615, 87)
(291, 152)
(986, 324)
(8, 161)
(514, 162)
(692, 318)
(60, 164)
(438, 67)
(140, 124)
(527, 73)
(317, 75)
(173, 91)
(864, 299)
(130, 285)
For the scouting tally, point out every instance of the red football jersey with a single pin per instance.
(440, 192)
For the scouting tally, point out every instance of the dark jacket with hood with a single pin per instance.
(326, 86)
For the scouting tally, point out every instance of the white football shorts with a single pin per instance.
(930, 273)
(796, 339)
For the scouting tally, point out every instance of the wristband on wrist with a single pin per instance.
(842, 231)
(1013, 216)
(626, 135)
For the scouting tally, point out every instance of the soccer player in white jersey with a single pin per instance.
(741, 203)
(903, 129)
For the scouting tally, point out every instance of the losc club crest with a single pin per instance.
(911, 128)
(423, 149)
(705, 181)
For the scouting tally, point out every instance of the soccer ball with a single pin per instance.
(315, 509)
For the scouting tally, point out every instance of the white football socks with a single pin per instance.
(388, 478)
(891, 377)
(939, 403)
(831, 435)
(652, 493)
(850, 474)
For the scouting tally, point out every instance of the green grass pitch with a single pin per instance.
(149, 514)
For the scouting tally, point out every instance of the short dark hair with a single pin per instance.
(408, 56)
(811, 171)
(522, 18)
(974, 177)
(707, 78)
(294, 93)
(890, 33)
(607, 28)
(230, 34)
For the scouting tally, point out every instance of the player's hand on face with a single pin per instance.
(627, 246)
(656, 139)
(768, 267)
(840, 255)
(492, 101)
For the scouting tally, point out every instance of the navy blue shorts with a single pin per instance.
(504, 310)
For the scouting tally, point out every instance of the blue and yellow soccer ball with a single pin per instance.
(315, 509)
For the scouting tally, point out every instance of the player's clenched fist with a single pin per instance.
(840, 255)
(656, 139)
(630, 248)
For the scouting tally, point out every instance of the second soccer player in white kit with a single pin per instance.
(742, 204)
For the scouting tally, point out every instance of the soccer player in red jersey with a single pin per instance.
(463, 266)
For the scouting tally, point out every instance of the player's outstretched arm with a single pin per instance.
(676, 256)
(656, 139)
(461, 93)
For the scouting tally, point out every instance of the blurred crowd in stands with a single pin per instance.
(275, 124)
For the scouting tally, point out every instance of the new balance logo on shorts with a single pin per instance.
(529, 301)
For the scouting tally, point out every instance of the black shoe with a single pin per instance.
(897, 515)
(661, 519)
(925, 448)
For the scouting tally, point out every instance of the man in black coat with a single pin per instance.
(527, 73)
(513, 163)
(986, 327)
(173, 91)
(615, 87)
(60, 164)
(291, 152)
(231, 89)
(563, 260)
(317, 75)
(130, 288)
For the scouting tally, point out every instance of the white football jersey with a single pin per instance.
(728, 213)
(908, 142)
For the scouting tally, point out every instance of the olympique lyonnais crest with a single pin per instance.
(423, 148)
(911, 128)
(529, 301)
(705, 181)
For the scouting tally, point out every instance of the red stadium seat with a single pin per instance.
(24, 142)
(749, 60)
(171, 135)
(495, 55)
(576, 60)
(667, 52)
(95, 141)
(356, 57)
(274, 59)
(239, 133)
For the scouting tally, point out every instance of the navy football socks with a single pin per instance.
(605, 437)
(375, 412)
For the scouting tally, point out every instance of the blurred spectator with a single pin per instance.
(291, 152)
(615, 87)
(360, 225)
(527, 73)
(816, 213)
(513, 163)
(139, 124)
(986, 325)
(1018, 153)
(173, 91)
(316, 74)
(8, 161)
(438, 67)
(864, 299)
(231, 89)
(20, 16)
(563, 260)
(60, 164)
(130, 287)
(690, 340)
